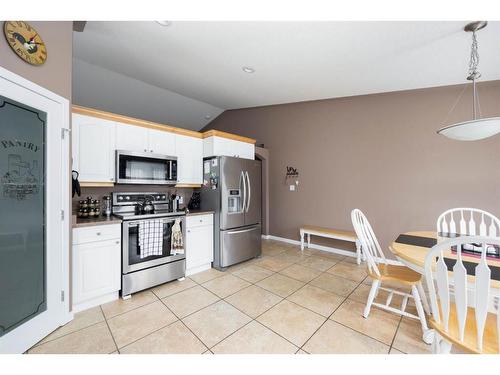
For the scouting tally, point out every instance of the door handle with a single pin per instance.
(242, 231)
(242, 176)
(249, 191)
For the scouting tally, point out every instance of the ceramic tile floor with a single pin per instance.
(284, 302)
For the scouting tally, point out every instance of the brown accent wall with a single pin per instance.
(379, 153)
(55, 73)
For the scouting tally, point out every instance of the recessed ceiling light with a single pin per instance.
(247, 69)
(164, 23)
(207, 117)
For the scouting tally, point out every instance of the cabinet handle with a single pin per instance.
(189, 230)
(145, 150)
(98, 233)
(151, 150)
(117, 242)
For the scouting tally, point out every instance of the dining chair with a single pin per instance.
(463, 307)
(380, 271)
(471, 222)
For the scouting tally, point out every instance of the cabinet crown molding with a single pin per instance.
(219, 133)
(134, 121)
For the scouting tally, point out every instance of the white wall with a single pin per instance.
(104, 89)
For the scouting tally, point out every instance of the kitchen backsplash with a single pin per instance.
(99, 192)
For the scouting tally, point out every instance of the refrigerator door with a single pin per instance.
(238, 245)
(233, 191)
(252, 171)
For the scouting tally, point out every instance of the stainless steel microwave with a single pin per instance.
(145, 168)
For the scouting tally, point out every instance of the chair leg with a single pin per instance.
(423, 297)
(358, 252)
(301, 241)
(308, 240)
(427, 334)
(371, 297)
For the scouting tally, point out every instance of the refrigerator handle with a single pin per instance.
(249, 191)
(242, 176)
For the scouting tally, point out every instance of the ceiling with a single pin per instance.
(293, 61)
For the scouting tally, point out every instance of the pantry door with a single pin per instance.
(34, 200)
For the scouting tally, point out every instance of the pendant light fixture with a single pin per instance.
(477, 128)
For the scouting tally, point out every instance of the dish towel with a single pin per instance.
(150, 238)
(177, 241)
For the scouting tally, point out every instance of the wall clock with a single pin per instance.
(25, 42)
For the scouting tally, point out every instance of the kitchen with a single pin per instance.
(176, 204)
(156, 169)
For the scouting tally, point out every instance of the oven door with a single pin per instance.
(145, 168)
(131, 259)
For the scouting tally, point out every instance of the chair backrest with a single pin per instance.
(438, 277)
(469, 222)
(369, 243)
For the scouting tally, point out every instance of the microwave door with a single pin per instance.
(232, 187)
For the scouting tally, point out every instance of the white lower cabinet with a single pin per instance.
(96, 265)
(199, 243)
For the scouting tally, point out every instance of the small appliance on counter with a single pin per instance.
(107, 206)
(195, 201)
(89, 208)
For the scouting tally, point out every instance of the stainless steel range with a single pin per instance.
(142, 273)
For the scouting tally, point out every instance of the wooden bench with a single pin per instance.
(337, 234)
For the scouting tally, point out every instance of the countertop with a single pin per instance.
(199, 212)
(101, 220)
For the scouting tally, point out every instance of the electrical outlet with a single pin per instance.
(292, 187)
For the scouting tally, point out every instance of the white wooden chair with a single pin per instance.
(379, 270)
(463, 321)
(468, 222)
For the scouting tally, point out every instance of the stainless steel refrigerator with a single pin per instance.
(232, 188)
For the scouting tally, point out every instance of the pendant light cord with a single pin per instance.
(455, 104)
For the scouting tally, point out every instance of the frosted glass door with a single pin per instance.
(23, 278)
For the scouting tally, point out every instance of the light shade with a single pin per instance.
(472, 130)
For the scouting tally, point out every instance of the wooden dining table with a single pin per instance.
(411, 248)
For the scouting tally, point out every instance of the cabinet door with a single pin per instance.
(219, 146)
(96, 269)
(199, 246)
(132, 138)
(161, 142)
(94, 148)
(189, 151)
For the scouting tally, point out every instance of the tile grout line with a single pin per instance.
(109, 329)
(395, 334)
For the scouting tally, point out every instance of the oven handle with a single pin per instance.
(132, 224)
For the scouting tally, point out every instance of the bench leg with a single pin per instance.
(308, 240)
(301, 241)
(358, 252)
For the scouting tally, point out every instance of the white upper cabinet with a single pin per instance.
(132, 138)
(93, 148)
(137, 138)
(220, 146)
(162, 142)
(189, 152)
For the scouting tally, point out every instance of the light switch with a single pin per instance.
(292, 187)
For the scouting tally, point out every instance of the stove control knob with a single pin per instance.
(120, 198)
(157, 197)
(127, 198)
(163, 197)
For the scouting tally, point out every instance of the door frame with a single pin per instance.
(23, 337)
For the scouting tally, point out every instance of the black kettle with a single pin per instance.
(146, 206)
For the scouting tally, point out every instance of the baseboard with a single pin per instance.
(325, 248)
(266, 236)
(95, 302)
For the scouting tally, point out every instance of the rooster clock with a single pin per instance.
(25, 42)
